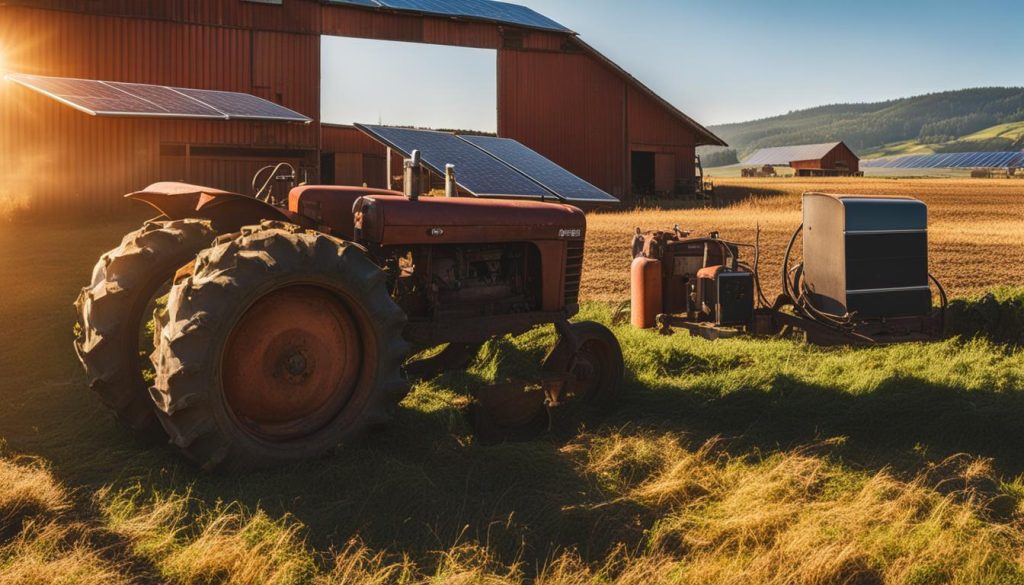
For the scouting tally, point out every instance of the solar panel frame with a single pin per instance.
(438, 149)
(540, 169)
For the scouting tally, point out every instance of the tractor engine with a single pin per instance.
(443, 282)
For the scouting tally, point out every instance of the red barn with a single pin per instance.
(601, 123)
(831, 159)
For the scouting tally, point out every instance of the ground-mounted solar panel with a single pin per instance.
(501, 12)
(542, 170)
(476, 171)
(119, 99)
(950, 160)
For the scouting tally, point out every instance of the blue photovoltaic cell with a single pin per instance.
(540, 169)
(956, 160)
(476, 171)
(242, 106)
(174, 102)
(118, 99)
(501, 12)
(100, 98)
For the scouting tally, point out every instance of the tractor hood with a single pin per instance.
(390, 220)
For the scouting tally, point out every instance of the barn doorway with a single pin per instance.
(643, 178)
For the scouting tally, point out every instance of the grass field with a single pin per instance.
(738, 461)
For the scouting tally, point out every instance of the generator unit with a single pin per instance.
(866, 255)
(863, 277)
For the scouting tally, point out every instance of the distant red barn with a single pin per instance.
(830, 159)
(556, 94)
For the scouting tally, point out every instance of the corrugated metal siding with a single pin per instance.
(100, 159)
(357, 152)
(569, 108)
(348, 21)
(294, 15)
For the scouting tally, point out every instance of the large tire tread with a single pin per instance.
(200, 314)
(109, 312)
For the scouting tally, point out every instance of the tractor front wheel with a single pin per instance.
(282, 345)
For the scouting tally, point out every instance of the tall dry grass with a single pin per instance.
(789, 518)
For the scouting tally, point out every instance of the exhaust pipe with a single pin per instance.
(413, 177)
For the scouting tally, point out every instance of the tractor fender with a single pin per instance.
(226, 210)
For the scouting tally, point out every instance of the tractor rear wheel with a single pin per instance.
(282, 345)
(112, 313)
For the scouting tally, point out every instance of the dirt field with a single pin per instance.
(976, 237)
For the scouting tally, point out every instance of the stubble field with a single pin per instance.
(976, 232)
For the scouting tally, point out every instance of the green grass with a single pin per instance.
(1009, 133)
(726, 459)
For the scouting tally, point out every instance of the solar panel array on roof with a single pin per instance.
(489, 166)
(532, 164)
(501, 12)
(783, 155)
(118, 99)
(952, 160)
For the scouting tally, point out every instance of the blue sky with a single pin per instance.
(727, 60)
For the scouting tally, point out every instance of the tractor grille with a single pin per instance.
(573, 271)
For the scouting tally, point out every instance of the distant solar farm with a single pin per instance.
(957, 160)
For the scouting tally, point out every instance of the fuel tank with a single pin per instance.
(645, 292)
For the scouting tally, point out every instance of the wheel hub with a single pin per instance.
(291, 363)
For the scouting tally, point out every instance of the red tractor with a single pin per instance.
(289, 325)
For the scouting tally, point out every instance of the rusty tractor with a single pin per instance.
(289, 322)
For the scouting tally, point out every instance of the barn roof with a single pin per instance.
(783, 155)
(485, 10)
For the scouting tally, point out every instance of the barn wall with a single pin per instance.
(568, 107)
(94, 159)
(294, 15)
(348, 21)
(582, 114)
(652, 128)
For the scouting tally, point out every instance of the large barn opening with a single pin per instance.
(643, 173)
(408, 84)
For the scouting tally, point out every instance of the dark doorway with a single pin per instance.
(643, 172)
(327, 175)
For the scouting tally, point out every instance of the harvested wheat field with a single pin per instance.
(976, 228)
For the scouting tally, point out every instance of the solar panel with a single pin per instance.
(172, 101)
(119, 99)
(476, 171)
(242, 106)
(540, 169)
(952, 160)
(501, 12)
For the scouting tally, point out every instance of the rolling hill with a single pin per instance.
(986, 119)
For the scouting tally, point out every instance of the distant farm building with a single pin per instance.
(831, 159)
(555, 94)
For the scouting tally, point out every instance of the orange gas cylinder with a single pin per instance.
(645, 289)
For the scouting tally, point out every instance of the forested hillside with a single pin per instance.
(928, 119)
